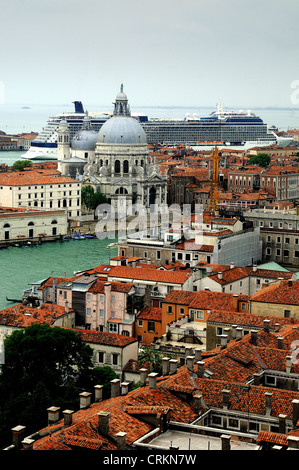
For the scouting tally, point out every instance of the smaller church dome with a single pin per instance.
(86, 138)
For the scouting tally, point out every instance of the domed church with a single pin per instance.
(121, 165)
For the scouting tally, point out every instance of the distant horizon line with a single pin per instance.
(283, 108)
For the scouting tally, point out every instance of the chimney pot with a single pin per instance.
(225, 442)
(268, 397)
(27, 444)
(53, 415)
(225, 398)
(224, 341)
(190, 363)
(173, 365)
(288, 363)
(121, 440)
(165, 366)
(239, 332)
(295, 404)
(85, 400)
(143, 375)
(267, 325)
(103, 422)
(98, 393)
(197, 355)
(115, 388)
(18, 435)
(220, 275)
(282, 423)
(200, 369)
(68, 417)
(253, 337)
(197, 398)
(124, 388)
(280, 342)
(152, 380)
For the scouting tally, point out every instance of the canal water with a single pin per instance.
(21, 266)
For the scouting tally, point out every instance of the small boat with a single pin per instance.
(78, 236)
(89, 236)
(13, 300)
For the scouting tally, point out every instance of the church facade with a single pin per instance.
(121, 167)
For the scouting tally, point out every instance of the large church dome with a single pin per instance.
(121, 128)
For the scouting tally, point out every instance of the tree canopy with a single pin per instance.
(44, 366)
(19, 165)
(91, 199)
(261, 159)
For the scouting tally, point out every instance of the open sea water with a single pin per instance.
(21, 266)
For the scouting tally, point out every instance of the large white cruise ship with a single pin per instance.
(236, 130)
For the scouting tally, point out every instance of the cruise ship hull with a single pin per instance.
(239, 131)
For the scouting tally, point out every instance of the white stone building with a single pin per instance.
(121, 167)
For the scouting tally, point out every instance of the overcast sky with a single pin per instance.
(165, 52)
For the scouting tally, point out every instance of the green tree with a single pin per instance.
(91, 199)
(19, 165)
(261, 159)
(44, 366)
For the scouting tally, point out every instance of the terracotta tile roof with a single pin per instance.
(150, 313)
(247, 319)
(283, 292)
(32, 178)
(99, 286)
(22, 315)
(179, 297)
(108, 339)
(132, 273)
(207, 300)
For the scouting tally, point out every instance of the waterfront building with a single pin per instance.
(279, 233)
(20, 224)
(121, 168)
(39, 190)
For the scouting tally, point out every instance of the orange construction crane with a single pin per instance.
(214, 182)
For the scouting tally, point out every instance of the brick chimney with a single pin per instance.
(68, 417)
(225, 442)
(295, 404)
(197, 400)
(219, 275)
(224, 339)
(85, 400)
(173, 366)
(115, 388)
(143, 375)
(239, 333)
(234, 331)
(282, 423)
(267, 325)
(121, 440)
(124, 388)
(103, 422)
(18, 436)
(53, 415)
(197, 353)
(225, 398)
(288, 364)
(268, 396)
(98, 393)
(190, 363)
(280, 342)
(27, 443)
(152, 384)
(200, 369)
(253, 337)
(165, 366)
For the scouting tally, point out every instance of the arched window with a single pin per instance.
(117, 166)
(126, 166)
(54, 222)
(6, 226)
(121, 190)
(31, 223)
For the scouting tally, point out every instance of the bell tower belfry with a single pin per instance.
(63, 143)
